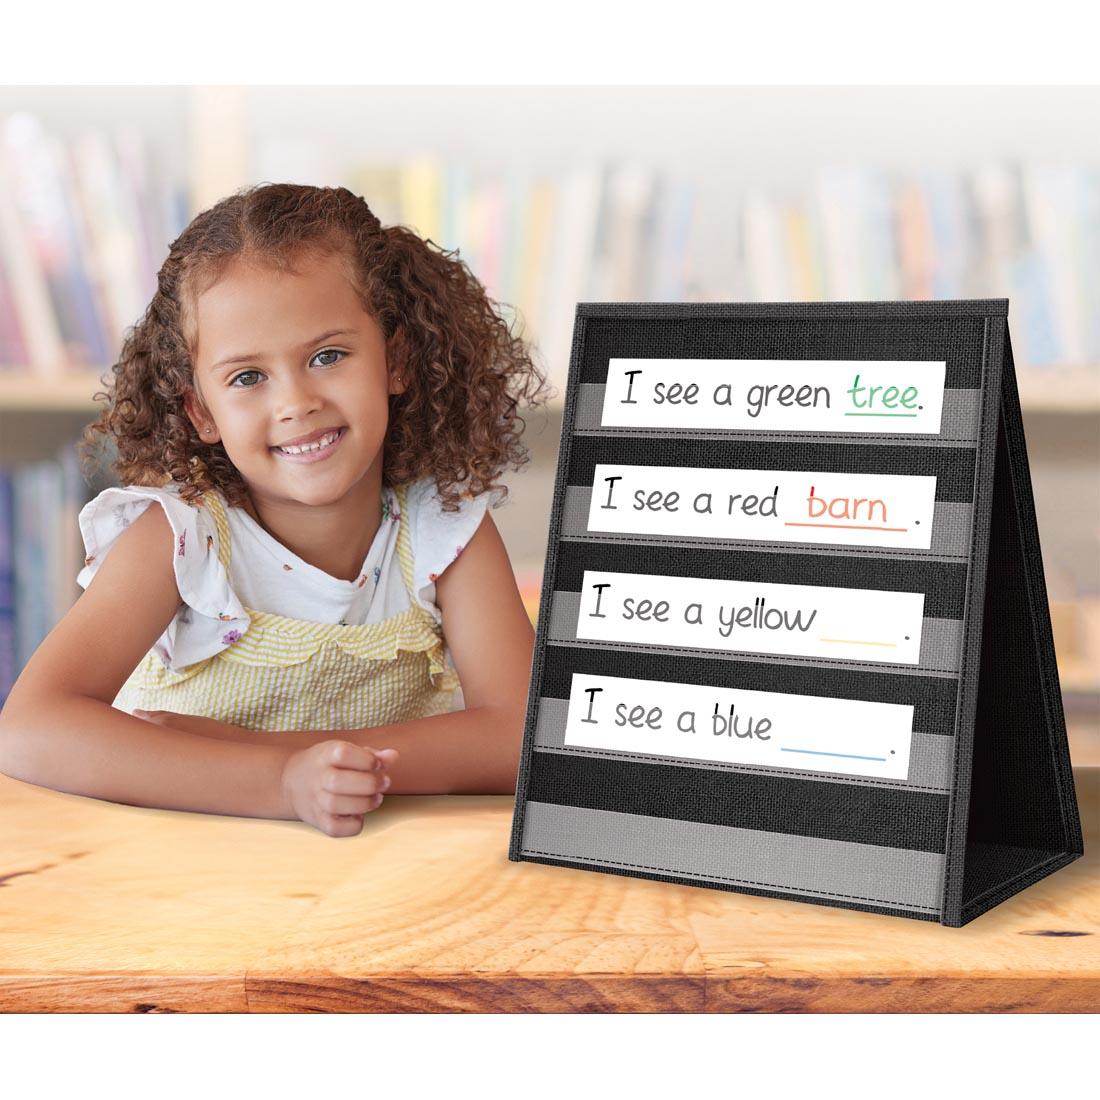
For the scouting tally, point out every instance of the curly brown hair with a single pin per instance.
(467, 372)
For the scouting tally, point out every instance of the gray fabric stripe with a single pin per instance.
(940, 647)
(930, 756)
(958, 424)
(836, 869)
(951, 522)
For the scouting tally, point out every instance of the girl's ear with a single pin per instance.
(203, 423)
(397, 361)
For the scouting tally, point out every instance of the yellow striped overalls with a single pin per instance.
(293, 674)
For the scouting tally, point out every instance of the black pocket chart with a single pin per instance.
(794, 638)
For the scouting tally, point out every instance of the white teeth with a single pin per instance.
(324, 441)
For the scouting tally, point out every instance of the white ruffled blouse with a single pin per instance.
(266, 576)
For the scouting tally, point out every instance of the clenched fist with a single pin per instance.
(333, 784)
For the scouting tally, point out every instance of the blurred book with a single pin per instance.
(41, 552)
(1056, 203)
(35, 339)
(857, 220)
(84, 226)
(667, 260)
(9, 655)
(40, 183)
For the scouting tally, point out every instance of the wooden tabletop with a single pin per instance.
(121, 909)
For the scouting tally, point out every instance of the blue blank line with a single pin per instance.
(846, 755)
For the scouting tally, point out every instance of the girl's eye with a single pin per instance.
(327, 351)
(331, 351)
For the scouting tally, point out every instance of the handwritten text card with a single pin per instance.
(740, 727)
(768, 505)
(775, 395)
(798, 620)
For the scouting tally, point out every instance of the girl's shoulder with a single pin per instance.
(109, 513)
(209, 609)
(438, 537)
(429, 524)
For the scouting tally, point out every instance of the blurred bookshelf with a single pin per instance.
(553, 196)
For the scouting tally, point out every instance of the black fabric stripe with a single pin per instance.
(914, 820)
(954, 340)
(952, 467)
(934, 699)
(943, 583)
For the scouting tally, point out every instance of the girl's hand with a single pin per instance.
(333, 784)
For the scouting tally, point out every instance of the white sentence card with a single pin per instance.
(735, 726)
(797, 395)
(766, 505)
(793, 619)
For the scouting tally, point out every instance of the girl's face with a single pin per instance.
(281, 356)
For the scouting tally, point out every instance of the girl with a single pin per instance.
(308, 419)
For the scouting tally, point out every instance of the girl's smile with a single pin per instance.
(316, 449)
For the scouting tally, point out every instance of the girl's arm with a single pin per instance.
(58, 728)
(476, 750)
(472, 751)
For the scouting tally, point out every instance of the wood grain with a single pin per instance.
(107, 908)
